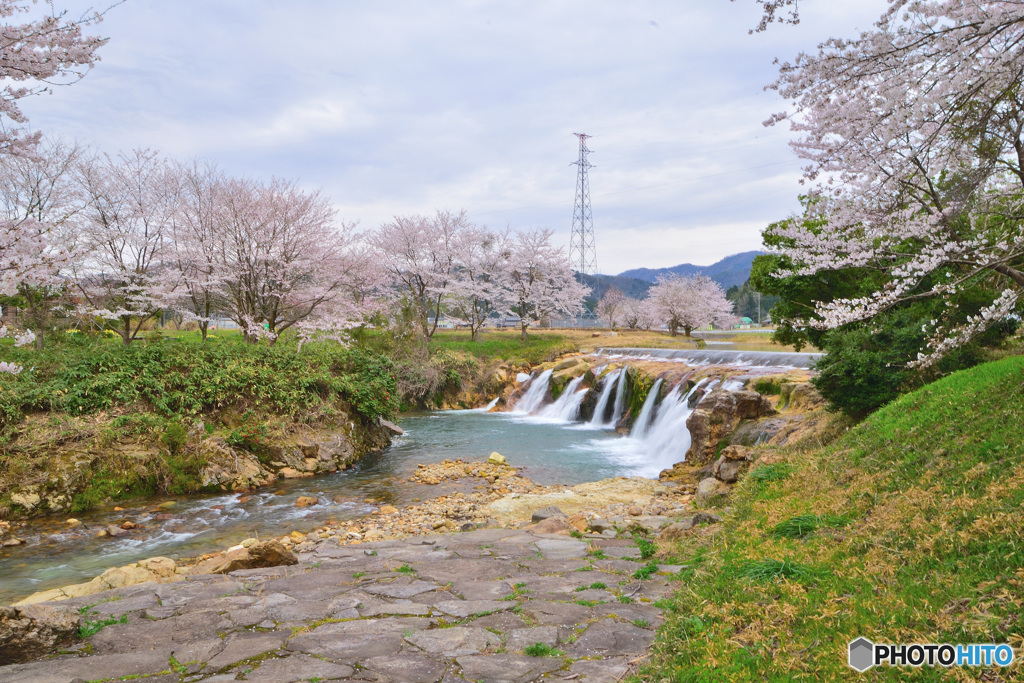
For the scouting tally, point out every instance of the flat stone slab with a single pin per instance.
(465, 607)
(506, 668)
(455, 641)
(298, 667)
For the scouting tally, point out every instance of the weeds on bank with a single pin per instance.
(909, 527)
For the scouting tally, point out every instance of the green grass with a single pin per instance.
(543, 650)
(647, 571)
(490, 345)
(90, 628)
(406, 569)
(647, 548)
(909, 527)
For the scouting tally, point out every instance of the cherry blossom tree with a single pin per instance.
(611, 306)
(482, 257)
(35, 55)
(196, 230)
(689, 303)
(913, 133)
(539, 281)
(421, 255)
(39, 199)
(285, 262)
(638, 315)
(121, 273)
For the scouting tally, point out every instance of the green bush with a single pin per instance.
(181, 378)
(866, 366)
(174, 436)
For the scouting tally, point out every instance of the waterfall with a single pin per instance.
(534, 395)
(640, 428)
(602, 403)
(620, 398)
(567, 406)
(487, 408)
(668, 438)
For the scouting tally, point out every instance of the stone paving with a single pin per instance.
(428, 609)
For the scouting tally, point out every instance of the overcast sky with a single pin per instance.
(406, 107)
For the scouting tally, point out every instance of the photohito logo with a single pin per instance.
(864, 654)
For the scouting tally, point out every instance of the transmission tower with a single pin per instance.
(582, 247)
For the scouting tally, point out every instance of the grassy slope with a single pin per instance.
(908, 528)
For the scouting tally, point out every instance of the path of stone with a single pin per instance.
(428, 609)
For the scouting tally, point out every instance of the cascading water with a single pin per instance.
(667, 439)
(640, 427)
(602, 402)
(534, 395)
(487, 408)
(567, 407)
(620, 398)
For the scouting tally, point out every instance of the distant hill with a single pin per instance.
(730, 271)
(599, 284)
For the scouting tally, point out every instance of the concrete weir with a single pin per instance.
(769, 359)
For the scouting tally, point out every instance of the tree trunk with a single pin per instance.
(687, 329)
(523, 336)
(126, 331)
(39, 339)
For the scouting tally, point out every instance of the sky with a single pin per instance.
(404, 107)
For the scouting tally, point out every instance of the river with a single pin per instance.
(549, 453)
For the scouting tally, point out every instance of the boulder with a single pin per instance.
(735, 453)
(553, 525)
(306, 501)
(496, 458)
(578, 522)
(544, 513)
(717, 415)
(257, 556)
(567, 363)
(728, 471)
(32, 631)
(709, 490)
(391, 426)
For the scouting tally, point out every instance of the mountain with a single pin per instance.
(730, 271)
(599, 284)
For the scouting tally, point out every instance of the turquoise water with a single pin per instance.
(548, 452)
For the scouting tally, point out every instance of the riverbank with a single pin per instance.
(88, 420)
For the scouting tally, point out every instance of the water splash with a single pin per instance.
(620, 398)
(667, 439)
(567, 407)
(487, 408)
(640, 427)
(535, 393)
(602, 402)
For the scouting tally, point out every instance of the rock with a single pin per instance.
(735, 453)
(257, 556)
(27, 500)
(290, 473)
(115, 531)
(496, 458)
(388, 510)
(12, 542)
(800, 396)
(578, 521)
(635, 511)
(166, 505)
(599, 525)
(544, 513)
(709, 490)
(33, 631)
(728, 470)
(567, 363)
(306, 501)
(552, 525)
(718, 414)
(390, 426)
(677, 530)
(129, 525)
(72, 522)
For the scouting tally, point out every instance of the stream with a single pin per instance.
(546, 442)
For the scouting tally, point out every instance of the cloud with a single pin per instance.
(408, 106)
